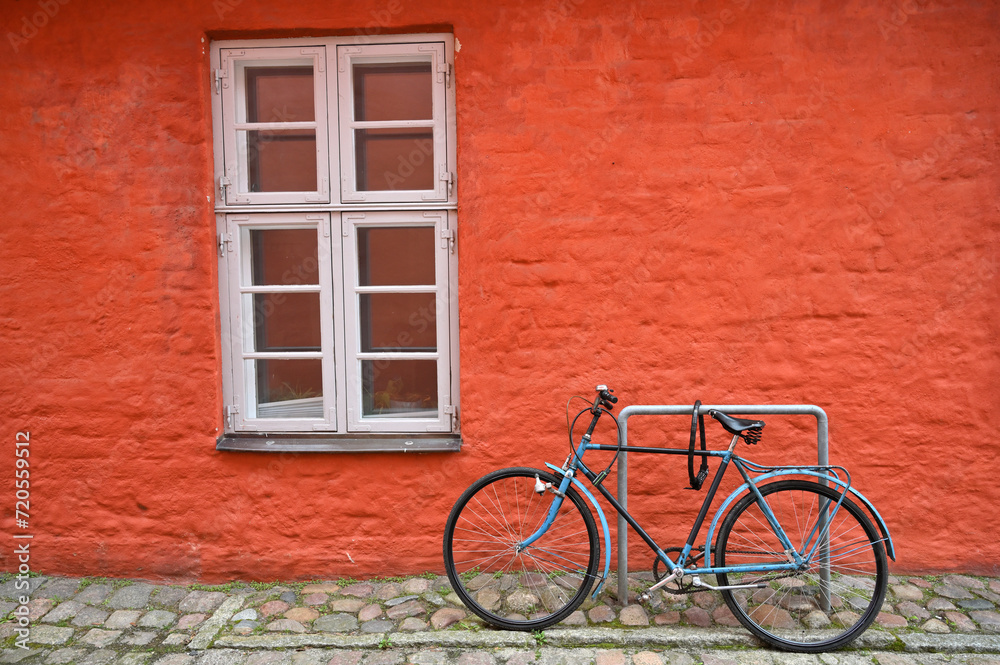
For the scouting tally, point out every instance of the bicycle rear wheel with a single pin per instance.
(798, 610)
(515, 589)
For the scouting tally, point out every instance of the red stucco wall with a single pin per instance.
(733, 201)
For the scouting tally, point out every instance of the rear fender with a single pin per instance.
(604, 527)
(745, 487)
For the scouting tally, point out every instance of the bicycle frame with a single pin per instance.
(797, 558)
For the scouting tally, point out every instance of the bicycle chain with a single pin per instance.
(690, 588)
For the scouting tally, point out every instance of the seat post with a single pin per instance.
(732, 444)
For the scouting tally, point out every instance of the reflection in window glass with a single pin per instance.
(283, 256)
(288, 388)
(394, 159)
(281, 160)
(399, 388)
(398, 322)
(396, 256)
(280, 94)
(392, 91)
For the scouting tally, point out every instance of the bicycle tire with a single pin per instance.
(788, 613)
(533, 588)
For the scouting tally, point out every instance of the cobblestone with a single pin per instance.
(328, 624)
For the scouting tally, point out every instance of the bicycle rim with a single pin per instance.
(800, 610)
(528, 589)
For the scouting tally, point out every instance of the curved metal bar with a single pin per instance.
(822, 452)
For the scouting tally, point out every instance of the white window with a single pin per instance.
(338, 303)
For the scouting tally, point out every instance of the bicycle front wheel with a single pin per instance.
(510, 587)
(809, 610)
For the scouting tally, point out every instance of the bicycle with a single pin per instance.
(797, 560)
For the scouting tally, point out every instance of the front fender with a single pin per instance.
(889, 549)
(604, 527)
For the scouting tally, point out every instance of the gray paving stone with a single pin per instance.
(550, 656)
(93, 594)
(222, 657)
(66, 655)
(285, 625)
(964, 581)
(952, 591)
(98, 657)
(122, 619)
(90, 616)
(135, 658)
(289, 597)
(410, 608)
(429, 657)
(157, 619)
(63, 611)
(988, 621)
(310, 657)
(399, 600)
(935, 626)
(10, 590)
(175, 659)
(940, 604)
(100, 638)
(908, 592)
(201, 602)
(384, 658)
(335, 623)
(139, 638)
(910, 609)
(245, 627)
(6, 607)
(346, 657)
(49, 635)
(168, 597)
(60, 588)
(376, 626)
(976, 604)
(361, 590)
(248, 614)
(131, 597)
(17, 655)
(176, 639)
(475, 658)
(270, 658)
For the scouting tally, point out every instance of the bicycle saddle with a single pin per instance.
(736, 425)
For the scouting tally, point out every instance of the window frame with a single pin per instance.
(340, 428)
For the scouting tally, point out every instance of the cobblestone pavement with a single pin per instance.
(420, 620)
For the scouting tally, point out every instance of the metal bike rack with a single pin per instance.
(822, 450)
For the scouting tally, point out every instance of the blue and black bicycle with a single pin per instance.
(798, 554)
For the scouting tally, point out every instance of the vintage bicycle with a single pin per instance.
(793, 550)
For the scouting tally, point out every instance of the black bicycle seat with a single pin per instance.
(736, 425)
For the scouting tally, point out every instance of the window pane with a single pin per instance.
(400, 256)
(393, 91)
(286, 321)
(284, 256)
(288, 388)
(280, 94)
(399, 388)
(398, 321)
(394, 159)
(280, 160)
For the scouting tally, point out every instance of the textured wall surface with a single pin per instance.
(734, 201)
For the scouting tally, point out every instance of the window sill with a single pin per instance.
(371, 443)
